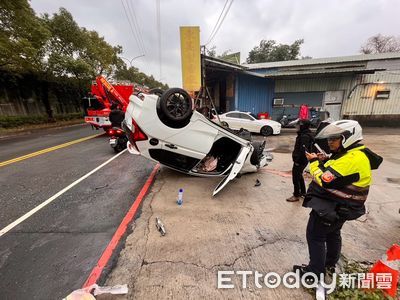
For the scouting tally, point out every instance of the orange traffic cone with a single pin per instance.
(386, 271)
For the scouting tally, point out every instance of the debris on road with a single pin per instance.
(209, 164)
(258, 183)
(160, 226)
(180, 197)
(89, 292)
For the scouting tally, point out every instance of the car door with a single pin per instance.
(237, 166)
(233, 120)
(247, 122)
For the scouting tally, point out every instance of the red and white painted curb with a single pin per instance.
(119, 233)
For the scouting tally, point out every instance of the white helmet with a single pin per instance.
(350, 130)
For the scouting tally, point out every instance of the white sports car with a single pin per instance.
(238, 119)
(166, 129)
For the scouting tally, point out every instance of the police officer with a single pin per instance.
(337, 192)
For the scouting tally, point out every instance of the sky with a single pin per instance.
(329, 28)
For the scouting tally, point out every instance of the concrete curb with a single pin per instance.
(120, 232)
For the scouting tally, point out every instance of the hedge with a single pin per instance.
(18, 121)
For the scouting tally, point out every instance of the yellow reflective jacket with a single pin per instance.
(340, 185)
(347, 175)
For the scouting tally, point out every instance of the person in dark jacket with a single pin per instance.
(116, 116)
(304, 142)
(323, 143)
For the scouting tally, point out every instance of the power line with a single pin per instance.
(217, 26)
(159, 35)
(222, 20)
(131, 26)
(136, 25)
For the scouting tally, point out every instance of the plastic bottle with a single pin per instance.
(180, 197)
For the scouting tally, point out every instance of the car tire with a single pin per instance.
(175, 107)
(267, 131)
(224, 124)
(156, 91)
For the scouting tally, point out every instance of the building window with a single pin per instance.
(382, 95)
(278, 101)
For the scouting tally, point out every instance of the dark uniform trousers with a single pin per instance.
(324, 243)
(298, 180)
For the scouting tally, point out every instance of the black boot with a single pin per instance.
(303, 269)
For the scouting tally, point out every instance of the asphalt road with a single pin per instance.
(52, 253)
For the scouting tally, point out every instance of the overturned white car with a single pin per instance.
(167, 130)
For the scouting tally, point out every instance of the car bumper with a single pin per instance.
(277, 129)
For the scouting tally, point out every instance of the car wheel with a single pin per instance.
(175, 108)
(266, 130)
(224, 124)
(156, 91)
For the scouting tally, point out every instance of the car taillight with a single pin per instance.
(137, 134)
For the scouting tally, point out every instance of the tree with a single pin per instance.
(22, 37)
(135, 76)
(72, 50)
(381, 44)
(212, 52)
(269, 50)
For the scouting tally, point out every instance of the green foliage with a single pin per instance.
(72, 50)
(341, 293)
(22, 37)
(54, 50)
(269, 51)
(17, 121)
(134, 75)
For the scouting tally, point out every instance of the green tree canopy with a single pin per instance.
(269, 50)
(135, 76)
(73, 50)
(54, 48)
(22, 37)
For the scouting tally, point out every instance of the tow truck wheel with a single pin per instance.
(175, 107)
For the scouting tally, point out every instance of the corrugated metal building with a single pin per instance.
(362, 87)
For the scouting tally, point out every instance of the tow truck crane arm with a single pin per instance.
(106, 90)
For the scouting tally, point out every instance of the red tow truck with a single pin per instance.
(97, 105)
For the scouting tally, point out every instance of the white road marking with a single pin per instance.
(52, 198)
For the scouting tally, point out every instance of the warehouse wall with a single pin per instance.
(254, 94)
(315, 84)
(298, 98)
(362, 100)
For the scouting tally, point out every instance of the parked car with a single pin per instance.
(237, 120)
(167, 130)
